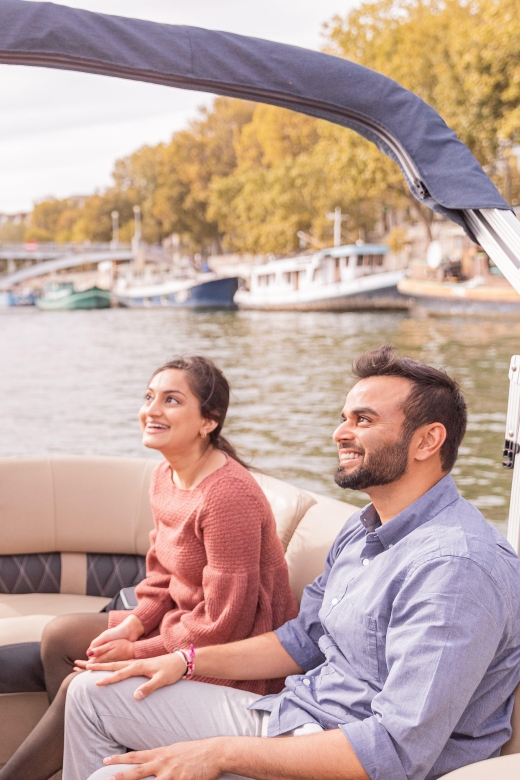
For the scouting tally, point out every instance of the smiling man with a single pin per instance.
(403, 660)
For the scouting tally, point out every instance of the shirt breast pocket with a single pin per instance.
(355, 633)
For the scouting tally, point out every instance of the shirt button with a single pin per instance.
(334, 601)
(390, 545)
(365, 561)
(306, 682)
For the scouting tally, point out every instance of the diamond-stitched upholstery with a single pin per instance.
(36, 573)
(107, 574)
(41, 573)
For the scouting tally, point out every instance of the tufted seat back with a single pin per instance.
(80, 525)
(75, 505)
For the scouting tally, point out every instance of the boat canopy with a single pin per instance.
(346, 250)
(439, 169)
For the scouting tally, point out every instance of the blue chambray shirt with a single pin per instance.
(410, 640)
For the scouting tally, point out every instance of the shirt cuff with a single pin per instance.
(148, 648)
(375, 749)
(299, 645)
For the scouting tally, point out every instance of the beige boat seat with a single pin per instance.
(74, 530)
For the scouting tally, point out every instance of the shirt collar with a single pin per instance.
(370, 519)
(421, 511)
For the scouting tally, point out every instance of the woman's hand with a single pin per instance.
(116, 644)
(131, 628)
(117, 650)
(197, 760)
(163, 670)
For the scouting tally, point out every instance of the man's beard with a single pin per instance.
(385, 465)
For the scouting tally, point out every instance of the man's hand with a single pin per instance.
(197, 760)
(324, 756)
(163, 670)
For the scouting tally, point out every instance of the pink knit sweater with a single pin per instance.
(216, 571)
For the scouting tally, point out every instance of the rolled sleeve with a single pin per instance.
(299, 645)
(375, 749)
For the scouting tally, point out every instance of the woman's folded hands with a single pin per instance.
(116, 644)
(162, 670)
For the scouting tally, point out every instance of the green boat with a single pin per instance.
(64, 296)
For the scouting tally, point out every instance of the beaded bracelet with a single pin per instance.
(189, 659)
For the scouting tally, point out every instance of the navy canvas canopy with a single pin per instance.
(440, 170)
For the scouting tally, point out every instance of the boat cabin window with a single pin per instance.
(370, 260)
(264, 280)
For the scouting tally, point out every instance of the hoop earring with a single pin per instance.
(203, 435)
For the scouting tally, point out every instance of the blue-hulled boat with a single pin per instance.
(205, 291)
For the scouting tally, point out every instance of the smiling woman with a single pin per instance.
(215, 570)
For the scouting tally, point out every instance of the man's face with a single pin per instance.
(371, 445)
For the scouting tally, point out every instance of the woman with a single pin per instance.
(215, 569)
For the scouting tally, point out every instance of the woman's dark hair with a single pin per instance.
(434, 396)
(209, 385)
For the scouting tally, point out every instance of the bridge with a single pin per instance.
(60, 263)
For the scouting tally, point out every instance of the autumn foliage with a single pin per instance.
(248, 177)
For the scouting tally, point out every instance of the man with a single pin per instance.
(403, 660)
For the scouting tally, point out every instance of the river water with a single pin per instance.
(72, 382)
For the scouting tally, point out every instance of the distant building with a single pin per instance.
(21, 218)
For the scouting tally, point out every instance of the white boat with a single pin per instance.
(343, 278)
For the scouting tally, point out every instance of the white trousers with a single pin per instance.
(103, 721)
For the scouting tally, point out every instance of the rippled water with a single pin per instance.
(71, 382)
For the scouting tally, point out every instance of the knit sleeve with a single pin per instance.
(231, 527)
(153, 595)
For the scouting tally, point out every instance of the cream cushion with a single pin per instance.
(501, 768)
(288, 503)
(100, 505)
(313, 539)
(24, 616)
(75, 504)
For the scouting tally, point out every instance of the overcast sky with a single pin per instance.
(62, 131)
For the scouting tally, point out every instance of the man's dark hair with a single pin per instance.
(434, 396)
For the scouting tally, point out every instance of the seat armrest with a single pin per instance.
(501, 768)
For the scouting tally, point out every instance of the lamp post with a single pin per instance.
(114, 244)
(338, 218)
(136, 240)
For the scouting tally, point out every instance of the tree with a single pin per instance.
(187, 166)
(461, 57)
(45, 218)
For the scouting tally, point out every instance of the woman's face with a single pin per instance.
(170, 416)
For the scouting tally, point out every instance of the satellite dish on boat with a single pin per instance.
(434, 254)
